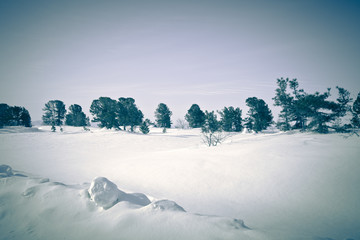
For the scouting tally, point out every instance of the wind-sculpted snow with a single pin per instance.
(167, 205)
(5, 171)
(106, 194)
(37, 208)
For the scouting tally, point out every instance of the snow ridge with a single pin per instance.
(93, 211)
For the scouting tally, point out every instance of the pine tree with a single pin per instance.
(14, 116)
(4, 114)
(294, 109)
(163, 116)
(22, 116)
(211, 130)
(260, 116)
(104, 111)
(343, 101)
(340, 110)
(195, 116)
(284, 100)
(144, 127)
(298, 107)
(128, 113)
(76, 117)
(211, 123)
(54, 113)
(320, 111)
(303, 111)
(355, 121)
(15, 113)
(231, 120)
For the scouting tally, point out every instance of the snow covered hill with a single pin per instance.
(82, 185)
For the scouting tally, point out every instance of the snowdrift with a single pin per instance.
(37, 208)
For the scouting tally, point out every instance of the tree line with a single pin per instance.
(122, 113)
(107, 112)
(299, 110)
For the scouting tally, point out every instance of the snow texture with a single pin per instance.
(5, 171)
(106, 194)
(167, 205)
(70, 212)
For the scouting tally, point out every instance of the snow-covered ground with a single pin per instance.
(105, 184)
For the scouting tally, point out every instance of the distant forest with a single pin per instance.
(299, 110)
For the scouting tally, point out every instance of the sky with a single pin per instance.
(213, 53)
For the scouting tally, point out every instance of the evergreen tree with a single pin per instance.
(260, 116)
(122, 112)
(163, 116)
(231, 120)
(15, 113)
(211, 130)
(284, 100)
(20, 116)
(309, 111)
(298, 107)
(195, 116)
(25, 118)
(343, 101)
(104, 111)
(128, 113)
(76, 117)
(54, 113)
(4, 115)
(320, 111)
(211, 123)
(293, 113)
(355, 121)
(144, 127)
(14, 116)
(340, 110)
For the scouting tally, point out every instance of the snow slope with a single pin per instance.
(283, 185)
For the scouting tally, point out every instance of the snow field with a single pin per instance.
(283, 185)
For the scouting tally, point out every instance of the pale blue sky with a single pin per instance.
(213, 53)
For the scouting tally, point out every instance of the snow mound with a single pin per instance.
(106, 194)
(5, 171)
(167, 205)
(136, 198)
